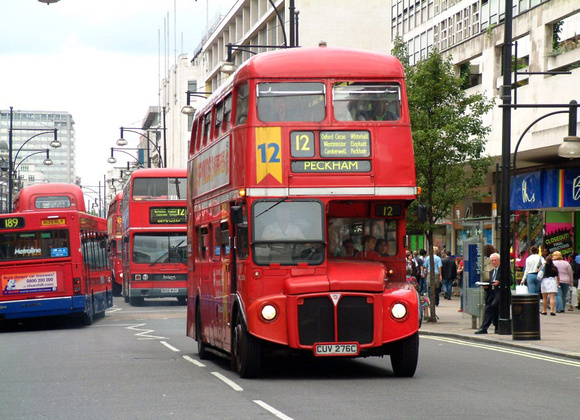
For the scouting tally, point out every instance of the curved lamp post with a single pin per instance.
(123, 142)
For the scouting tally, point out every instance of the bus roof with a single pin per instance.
(26, 197)
(322, 62)
(159, 173)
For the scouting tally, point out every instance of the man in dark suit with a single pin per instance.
(491, 315)
(448, 274)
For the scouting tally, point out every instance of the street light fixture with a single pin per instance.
(112, 159)
(55, 143)
(123, 142)
(189, 109)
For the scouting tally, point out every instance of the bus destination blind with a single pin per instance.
(167, 215)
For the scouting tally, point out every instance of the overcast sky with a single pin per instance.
(97, 60)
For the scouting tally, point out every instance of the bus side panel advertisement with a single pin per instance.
(212, 168)
(14, 284)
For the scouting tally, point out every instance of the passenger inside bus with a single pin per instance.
(381, 247)
(368, 247)
(382, 110)
(282, 228)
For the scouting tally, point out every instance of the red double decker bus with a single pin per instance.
(115, 232)
(53, 262)
(153, 213)
(50, 196)
(300, 172)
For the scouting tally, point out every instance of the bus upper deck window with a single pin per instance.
(366, 101)
(242, 104)
(300, 101)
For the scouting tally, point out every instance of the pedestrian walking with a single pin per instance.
(533, 264)
(549, 285)
(491, 315)
(436, 281)
(566, 277)
(448, 274)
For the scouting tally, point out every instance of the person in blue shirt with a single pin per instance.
(437, 267)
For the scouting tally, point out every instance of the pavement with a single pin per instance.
(559, 335)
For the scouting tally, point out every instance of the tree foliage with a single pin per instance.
(449, 136)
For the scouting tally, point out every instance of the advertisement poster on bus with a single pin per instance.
(13, 284)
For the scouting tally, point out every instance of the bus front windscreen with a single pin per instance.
(27, 245)
(160, 248)
(288, 232)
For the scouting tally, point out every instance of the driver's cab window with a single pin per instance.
(288, 232)
(362, 237)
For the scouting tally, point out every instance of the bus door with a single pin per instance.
(223, 268)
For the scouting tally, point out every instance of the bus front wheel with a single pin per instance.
(247, 351)
(405, 355)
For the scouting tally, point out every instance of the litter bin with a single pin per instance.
(526, 317)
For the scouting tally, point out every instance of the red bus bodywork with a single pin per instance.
(115, 232)
(53, 262)
(339, 172)
(153, 213)
(50, 196)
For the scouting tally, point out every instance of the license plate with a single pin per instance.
(336, 349)
(168, 290)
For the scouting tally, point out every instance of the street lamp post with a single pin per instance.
(12, 162)
(112, 159)
(123, 142)
(570, 148)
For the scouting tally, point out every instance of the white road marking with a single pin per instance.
(272, 410)
(229, 382)
(195, 362)
(512, 351)
(144, 334)
(169, 346)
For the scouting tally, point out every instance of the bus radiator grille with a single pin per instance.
(354, 315)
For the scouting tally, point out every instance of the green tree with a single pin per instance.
(449, 139)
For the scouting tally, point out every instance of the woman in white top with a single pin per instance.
(533, 264)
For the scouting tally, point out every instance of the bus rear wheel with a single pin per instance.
(405, 355)
(247, 351)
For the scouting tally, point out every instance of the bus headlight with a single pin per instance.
(399, 311)
(269, 312)
(145, 276)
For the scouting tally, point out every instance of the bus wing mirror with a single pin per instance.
(237, 215)
(421, 213)
(126, 239)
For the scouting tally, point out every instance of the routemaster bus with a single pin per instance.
(53, 262)
(50, 196)
(115, 232)
(153, 213)
(300, 173)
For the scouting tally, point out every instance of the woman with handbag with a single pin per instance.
(566, 277)
(549, 285)
(533, 264)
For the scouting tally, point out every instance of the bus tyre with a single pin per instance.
(116, 289)
(201, 346)
(405, 355)
(247, 351)
(136, 301)
(89, 315)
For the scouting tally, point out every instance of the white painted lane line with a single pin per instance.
(515, 352)
(143, 335)
(195, 362)
(169, 346)
(272, 410)
(229, 382)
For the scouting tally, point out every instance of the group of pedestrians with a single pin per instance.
(553, 276)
